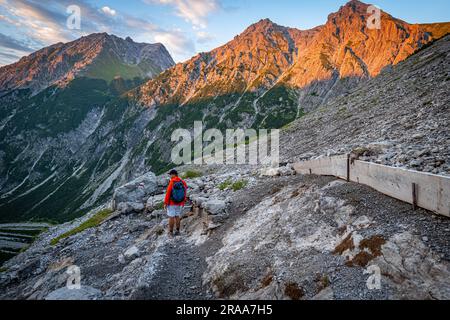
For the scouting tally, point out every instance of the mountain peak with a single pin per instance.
(265, 22)
(263, 25)
(350, 8)
(96, 36)
(87, 56)
(356, 5)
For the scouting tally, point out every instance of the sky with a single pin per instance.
(185, 27)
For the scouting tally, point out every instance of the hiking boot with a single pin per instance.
(177, 233)
(170, 234)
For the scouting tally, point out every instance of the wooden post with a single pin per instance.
(414, 196)
(348, 168)
(310, 171)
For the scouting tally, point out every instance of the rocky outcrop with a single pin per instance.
(133, 196)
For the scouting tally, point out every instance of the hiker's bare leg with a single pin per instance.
(178, 221)
(171, 224)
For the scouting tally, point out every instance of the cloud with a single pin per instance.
(43, 23)
(7, 55)
(108, 11)
(10, 43)
(195, 12)
(177, 43)
(12, 49)
(180, 46)
(204, 37)
(9, 20)
(36, 19)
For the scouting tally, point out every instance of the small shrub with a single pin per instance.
(94, 221)
(225, 185)
(191, 174)
(235, 186)
(239, 185)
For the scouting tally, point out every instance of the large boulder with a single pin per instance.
(126, 207)
(133, 195)
(215, 207)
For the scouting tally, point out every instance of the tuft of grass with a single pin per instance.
(225, 185)
(3, 269)
(235, 186)
(239, 185)
(94, 221)
(191, 174)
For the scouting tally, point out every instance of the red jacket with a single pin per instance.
(168, 201)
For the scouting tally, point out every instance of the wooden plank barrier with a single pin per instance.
(424, 190)
(328, 166)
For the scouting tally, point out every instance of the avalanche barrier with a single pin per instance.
(428, 191)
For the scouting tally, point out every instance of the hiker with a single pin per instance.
(174, 202)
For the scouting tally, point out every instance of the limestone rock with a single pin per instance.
(84, 293)
(132, 253)
(215, 207)
(155, 202)
(133, 195)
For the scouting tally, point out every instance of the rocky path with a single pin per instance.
(179, 276)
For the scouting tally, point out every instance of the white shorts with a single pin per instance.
(174, 211)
